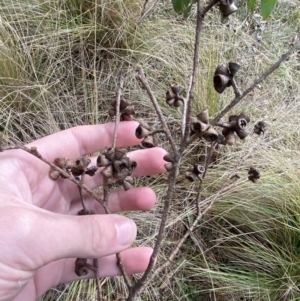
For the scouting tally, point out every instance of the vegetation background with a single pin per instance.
(59, 67)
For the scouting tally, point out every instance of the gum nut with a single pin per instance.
(222, 69)
(120, 153)
(168, 158)
(169, 95)
(125, 117)
(102, 161)
(230, 139)
(221, 82)
(233, 67)
(191, 176)
(130, 110)
(242, 133)
(112, 112)
(107, 172)
(54, 174)
(176, 89)
(210, 135)
(123, 104)
(203, 116)
(60, 162)
(126, 185)
(141, 132)
(148, 142)
(168, 166)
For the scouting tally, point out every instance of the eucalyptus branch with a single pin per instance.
(275, 66)
(140, 285)
(80, 192)
(33, 151)
(141, 76)
(123, 271)
(184, 113)
(191, 91)
(118, 100)
(98, 284)
(190, 94)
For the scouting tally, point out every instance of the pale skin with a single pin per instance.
(41, 233)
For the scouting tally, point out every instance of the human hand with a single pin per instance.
(41, 234)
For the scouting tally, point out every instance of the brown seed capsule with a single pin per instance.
(222, 69)
(107, 171)
(260, 127)
(141, 132)
(120, 165)
(69, 164)
(210, 135)
(233, 68)
(148, 142)
(78, 168)
(127, 185)
(169, 166)
(125, 117)
(102, 161)
(242, 133)
(120, 153)
(60, 162)
(176, 89)
(221, 82)
(203, 116)
(91, 171)
(112, 112)
(254, 174)
(168, 158)
(130, 110)
(198, 127)
(191, 176)
(227, 7)
(109, 154)
(81, 267)
(229, 139)
(54, 174)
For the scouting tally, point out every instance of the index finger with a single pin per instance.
(86, 139)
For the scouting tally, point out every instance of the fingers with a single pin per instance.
(86, 139)
(135, 260)
(140, 198)
(91, 236)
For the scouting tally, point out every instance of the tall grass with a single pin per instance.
(59, 67)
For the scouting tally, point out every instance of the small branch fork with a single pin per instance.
(240, 96)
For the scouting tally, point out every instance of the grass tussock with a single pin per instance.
(59, 67)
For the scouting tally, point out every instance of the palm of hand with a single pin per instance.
(41, 234)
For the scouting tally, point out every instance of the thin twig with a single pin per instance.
(185, 102)
(141, 76)
(236, 89)
(98, 284)
(275, 66)
(191, 91)
(139, 286)
(80, 192)
(123, 271)
(190, 95)
(118, 100)
(62, 172)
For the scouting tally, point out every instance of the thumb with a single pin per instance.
(89, 236)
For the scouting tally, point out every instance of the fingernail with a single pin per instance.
(126, 230)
